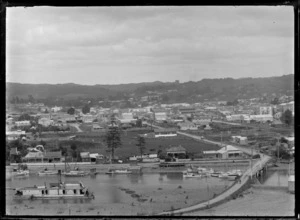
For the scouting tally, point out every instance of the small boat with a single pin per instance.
(191, 175)
(215, 174)
(227, 176)
(118, 171)
(205, 172)
(65, 190)
(235, 173)
(19, 172)
(47, 172)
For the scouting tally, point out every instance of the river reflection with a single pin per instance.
(113, 193)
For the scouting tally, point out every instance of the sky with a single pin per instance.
(117, 45)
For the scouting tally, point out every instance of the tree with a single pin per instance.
(113, 137)
(275, 101)
(141, 144)
(287, 117)
(86, 109)
(71, 111)
(25, 117)
(139, 123)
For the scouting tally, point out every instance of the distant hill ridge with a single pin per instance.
(222, 89)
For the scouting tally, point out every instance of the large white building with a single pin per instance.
(160, 116)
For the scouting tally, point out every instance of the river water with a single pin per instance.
(274, 178)
(156, 193)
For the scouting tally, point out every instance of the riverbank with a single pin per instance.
(254, 202)
(140, 167)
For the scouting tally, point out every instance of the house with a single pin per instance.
(176, 152)
(227, 152)
(207, 127)
(85, 156)
(211, 154)
(187, 126)
(56, 109)
(22, 123)
(88, 118)
(160, 116)
(97, 127)
(13, 135)
(43, 157)
(166, 132)
(187, 111)
(239, 140)
(262, 118)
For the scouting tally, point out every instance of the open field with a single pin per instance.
(95, 142)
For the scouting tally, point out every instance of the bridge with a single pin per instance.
(254, 170)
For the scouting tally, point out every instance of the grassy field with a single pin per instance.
(95, 142)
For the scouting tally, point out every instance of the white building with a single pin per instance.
(167, 132)
(22, 123)
(56, 109)
(262, 118)
(45, 122)
(187, 126)
(267, 110)
(160, 116)
(240, 140)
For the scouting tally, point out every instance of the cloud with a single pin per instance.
(143, 40)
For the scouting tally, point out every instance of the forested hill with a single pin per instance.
(217, 89)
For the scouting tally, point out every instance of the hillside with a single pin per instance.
(212, 89)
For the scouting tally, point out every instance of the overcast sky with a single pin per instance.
(113, 45)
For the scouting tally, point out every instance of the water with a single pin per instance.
(274, 178)
(156, 193)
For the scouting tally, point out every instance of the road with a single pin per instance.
(76, 126)
(226, 122)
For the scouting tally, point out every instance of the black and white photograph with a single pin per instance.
(150, 111)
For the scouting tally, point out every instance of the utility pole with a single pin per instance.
(251, 159)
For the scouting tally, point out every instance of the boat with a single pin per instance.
(47, 172)
(65, 190)
(118, 171)
(191, 175)
(205, 172)
(227, 176)
(215, 174)
(75, 173)
(19, 172)
(236, 173)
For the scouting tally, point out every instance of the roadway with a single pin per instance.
(74, 125)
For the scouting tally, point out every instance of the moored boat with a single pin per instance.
(75, 173)
(118, 171)
(18, 172)
(47, 172)
(64, 190)
(191, 175)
